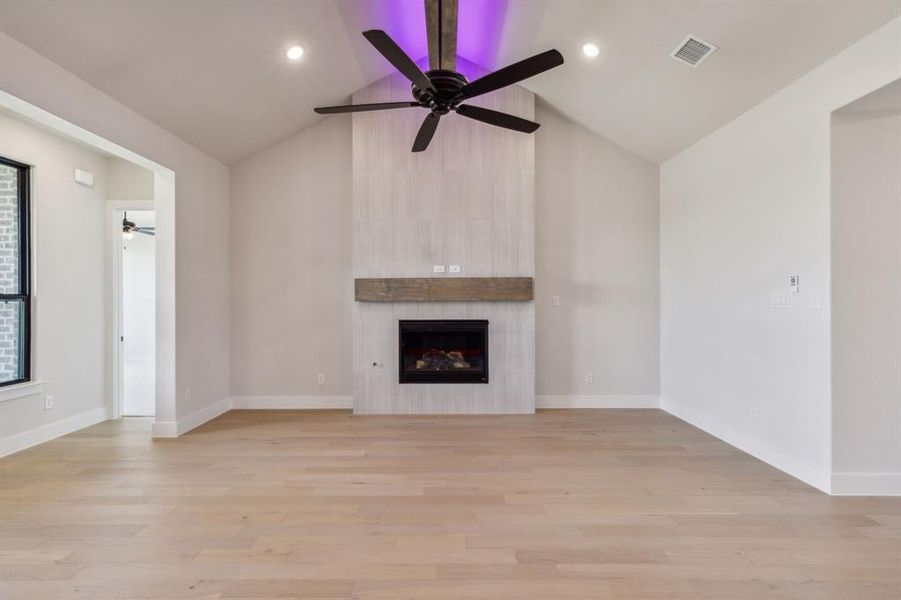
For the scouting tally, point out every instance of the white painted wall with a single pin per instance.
(740, 211)
(596, 238)
(128, 182)
(68, 245)
(291, 276)
(202, 303)
(866, 297)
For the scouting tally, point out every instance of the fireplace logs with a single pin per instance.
(439, 360)
(445, 351)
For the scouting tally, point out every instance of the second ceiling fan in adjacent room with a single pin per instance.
(442, 89)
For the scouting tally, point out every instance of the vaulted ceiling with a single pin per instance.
(215, 73)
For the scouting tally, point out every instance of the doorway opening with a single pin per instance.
(865, 257)
(125, 169)
(137, 334)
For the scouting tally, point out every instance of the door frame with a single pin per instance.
(115, 210)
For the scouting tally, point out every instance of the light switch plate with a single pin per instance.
(438, 269)
(555, 300)
(782, 301)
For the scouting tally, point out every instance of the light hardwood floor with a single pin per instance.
(560, 505)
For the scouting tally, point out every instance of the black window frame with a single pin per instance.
(24, 295)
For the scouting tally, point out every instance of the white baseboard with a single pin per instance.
(171, 429)
(784, 461)
(597, 402)
(866, 484)
(291, 402)
(346, 402)
(45, 433)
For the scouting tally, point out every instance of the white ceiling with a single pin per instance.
(214, 73)
(640, 98)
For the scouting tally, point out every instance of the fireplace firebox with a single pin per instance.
(445, 351)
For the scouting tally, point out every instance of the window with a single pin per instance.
(15, 288)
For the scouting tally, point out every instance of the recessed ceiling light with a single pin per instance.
(294, 52)
(590, 50)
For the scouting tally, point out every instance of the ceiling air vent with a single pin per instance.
(693, 50)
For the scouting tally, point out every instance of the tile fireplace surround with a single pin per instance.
(468, 200)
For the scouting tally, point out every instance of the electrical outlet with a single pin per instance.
(438, 269)
(187, 395)
(555, 300)
(320, 378)
(454, 269)
(754, 414)
(48, 402)
(589, 377)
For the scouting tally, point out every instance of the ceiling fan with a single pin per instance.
(442, 89)
(129, 229)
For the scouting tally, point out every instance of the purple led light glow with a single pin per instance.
(479, 27)
(404, 21)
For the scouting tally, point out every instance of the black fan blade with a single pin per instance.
(493, 117)
(426, 131)
(351, 108)
(513, 74)
(397, 57)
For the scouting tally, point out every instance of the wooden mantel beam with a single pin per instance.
(444, 289)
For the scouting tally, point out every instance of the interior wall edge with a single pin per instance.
(173, 429)
(795, 466)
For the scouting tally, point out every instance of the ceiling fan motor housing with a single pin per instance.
(447, 84)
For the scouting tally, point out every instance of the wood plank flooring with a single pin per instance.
(569, 504)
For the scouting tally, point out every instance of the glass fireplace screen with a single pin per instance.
(444, 351)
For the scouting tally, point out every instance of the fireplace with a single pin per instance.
(446, 351)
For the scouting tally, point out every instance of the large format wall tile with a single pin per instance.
(468, 200)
